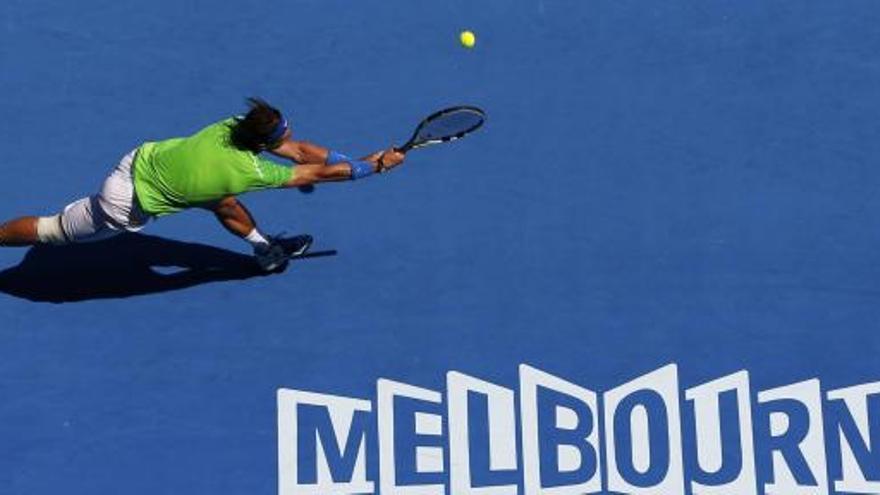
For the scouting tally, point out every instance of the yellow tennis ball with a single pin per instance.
(467, 38)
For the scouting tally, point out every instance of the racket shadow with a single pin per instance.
(125, 266)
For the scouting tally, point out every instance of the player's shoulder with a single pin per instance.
(216, 135)
(224, 126)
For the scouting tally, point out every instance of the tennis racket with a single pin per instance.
(444, 126)
(439, 127)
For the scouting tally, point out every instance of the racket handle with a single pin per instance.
(381, 164)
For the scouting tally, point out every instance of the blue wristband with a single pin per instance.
(360, 169)
(336, 157)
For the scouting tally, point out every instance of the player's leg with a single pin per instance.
(85, 221)
(117, 198)
(110, 212)
(19, 232)
(238, 221)
(81, 221)
(235, 218)
(270, 253)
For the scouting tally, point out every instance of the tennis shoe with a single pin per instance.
(270, 256)
(275, 255)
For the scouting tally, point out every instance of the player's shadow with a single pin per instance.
(123, 266)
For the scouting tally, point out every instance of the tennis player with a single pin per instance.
(206, 170)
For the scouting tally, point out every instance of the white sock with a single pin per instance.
(256, 239)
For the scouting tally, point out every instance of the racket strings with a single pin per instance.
(450, 125)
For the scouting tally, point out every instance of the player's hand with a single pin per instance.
(373, 157)
(390, 158)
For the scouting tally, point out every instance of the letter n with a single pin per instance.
(855, 411)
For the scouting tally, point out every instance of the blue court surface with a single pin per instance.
(688, 183)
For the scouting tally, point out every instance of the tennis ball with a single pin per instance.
(467, 38)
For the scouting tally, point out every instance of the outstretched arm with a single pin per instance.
(313, 173)
(301, 152)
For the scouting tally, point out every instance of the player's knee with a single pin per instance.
(226, 207)
(228, 202)
(50, 230)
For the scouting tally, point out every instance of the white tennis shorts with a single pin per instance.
(113, 210)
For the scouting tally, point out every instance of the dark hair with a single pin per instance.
(252, 131)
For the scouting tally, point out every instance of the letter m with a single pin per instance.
(322, 444)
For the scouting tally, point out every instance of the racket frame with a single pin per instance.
(413, 144)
